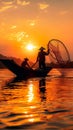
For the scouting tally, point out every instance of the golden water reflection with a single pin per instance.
(34, 100)
(21, 103)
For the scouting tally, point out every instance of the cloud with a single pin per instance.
(32, 22)
(63, 12)
(43, 6)
(7, 2)
(18, 36)
(5, 8)
(4, 5)
(22, 3)
(13, 27)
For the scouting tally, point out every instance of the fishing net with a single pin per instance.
(58, 52)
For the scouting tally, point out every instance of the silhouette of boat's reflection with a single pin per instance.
(42, 87)
(42, 82)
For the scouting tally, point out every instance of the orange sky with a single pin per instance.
(36, 22)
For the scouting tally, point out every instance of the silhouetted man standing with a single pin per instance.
(41, 57)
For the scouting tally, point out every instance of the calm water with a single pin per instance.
(38, 103)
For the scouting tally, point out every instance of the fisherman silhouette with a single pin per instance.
(25, 64)
(41, 57)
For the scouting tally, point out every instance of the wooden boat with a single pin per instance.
(24, 73)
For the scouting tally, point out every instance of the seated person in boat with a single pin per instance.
(25, 64)
(41, 57)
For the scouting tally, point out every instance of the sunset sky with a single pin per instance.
(34, 23)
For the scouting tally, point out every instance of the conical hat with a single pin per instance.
(25, 58)
(42, 48)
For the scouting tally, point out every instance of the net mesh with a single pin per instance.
(58, 52)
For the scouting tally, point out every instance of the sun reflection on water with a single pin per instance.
(30, 92)
(37, 101)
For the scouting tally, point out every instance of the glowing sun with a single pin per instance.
(30, 47)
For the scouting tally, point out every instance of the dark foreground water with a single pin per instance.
(38, 103)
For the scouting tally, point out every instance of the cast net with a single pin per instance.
(58, 52)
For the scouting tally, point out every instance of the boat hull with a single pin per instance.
(24, 73)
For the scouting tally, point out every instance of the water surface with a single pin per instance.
(37, 103)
